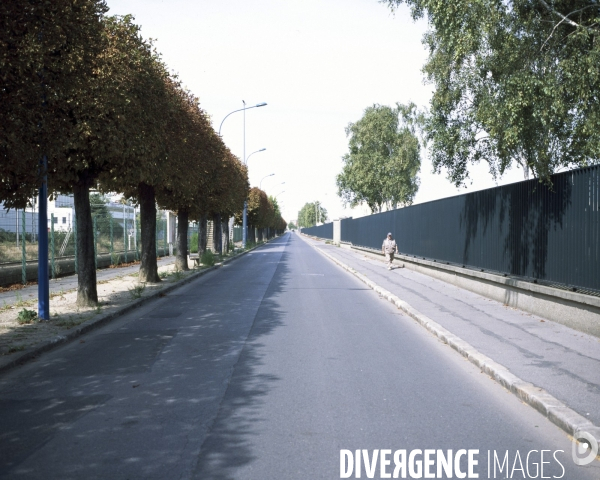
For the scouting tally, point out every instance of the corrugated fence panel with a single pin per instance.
(321, 231)
(524, 229)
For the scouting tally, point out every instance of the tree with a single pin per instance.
(307, 216)
(143, 81)
(292, 226)
(191, 143)
(261, 213)
(53, 102)
(224, 197)
(515, 81)
(382, 165)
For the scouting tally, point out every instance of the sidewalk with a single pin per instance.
(65, 284)
(564, 362)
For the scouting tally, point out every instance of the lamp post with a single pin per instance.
(245, 212)
(244, 220)
(261, 180)
(43, 285)
(248, 158)
(283, 191)
(239, 110)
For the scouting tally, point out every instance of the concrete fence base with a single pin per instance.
(11, 274)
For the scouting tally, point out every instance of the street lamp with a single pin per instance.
(239, 110)
(248, 158)
(245, 216)
(283, 191)
(260, 183)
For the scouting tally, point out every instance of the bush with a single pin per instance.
(26, 316)
(115, 258)
(137, 290)
(207, 258)
(193, 246)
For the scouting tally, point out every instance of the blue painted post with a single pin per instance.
(23, 251)
(43, 282)
(125, 236)
(136, 237)
(52, 245)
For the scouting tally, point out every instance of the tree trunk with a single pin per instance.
(225, 230)
(181, 260)
(216, 219)
(87, 294)
(148, 266)
(202, 234)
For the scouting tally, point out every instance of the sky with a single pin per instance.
(318, 64)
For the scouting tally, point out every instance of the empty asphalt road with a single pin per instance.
(266, 369)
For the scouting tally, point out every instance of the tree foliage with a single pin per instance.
(382, 165)
(307, 216)
(263, 212)
(48, 79)
(515, 81)
(90, 93)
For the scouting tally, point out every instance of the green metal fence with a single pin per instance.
(116, 234)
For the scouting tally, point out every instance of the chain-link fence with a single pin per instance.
(116, 230)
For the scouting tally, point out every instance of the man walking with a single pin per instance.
(389, 248)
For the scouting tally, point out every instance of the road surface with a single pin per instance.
(273, 367)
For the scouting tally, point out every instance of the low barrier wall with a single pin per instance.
(575, 310)
(12, 274)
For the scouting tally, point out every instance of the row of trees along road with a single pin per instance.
(263, 213)
(514, 81)
(89, 93)
(310, 214)
(384, 158)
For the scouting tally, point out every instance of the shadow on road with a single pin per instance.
(227, 447)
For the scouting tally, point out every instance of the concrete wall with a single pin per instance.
(337, 232)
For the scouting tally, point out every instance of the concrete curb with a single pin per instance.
(101, 320)
(557, 412)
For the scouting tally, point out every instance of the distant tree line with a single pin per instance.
(311, 214)
(90, 94)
